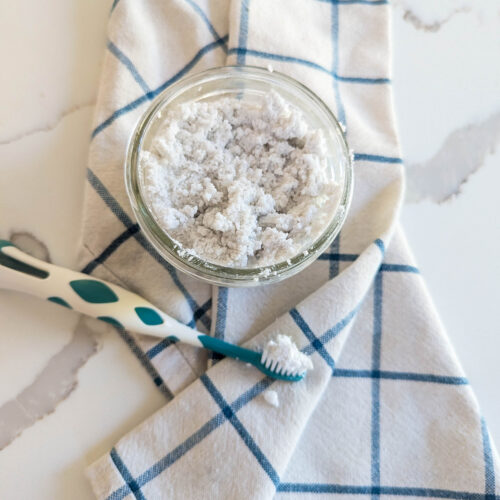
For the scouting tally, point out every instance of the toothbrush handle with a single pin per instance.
(90, 296)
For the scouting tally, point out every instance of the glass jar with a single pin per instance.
(248, 83)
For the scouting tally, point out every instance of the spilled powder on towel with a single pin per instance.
(238, 182)
(271, 398)
(283, 350)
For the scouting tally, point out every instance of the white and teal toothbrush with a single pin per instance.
(115, 305)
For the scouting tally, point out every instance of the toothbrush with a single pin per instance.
(117, 306)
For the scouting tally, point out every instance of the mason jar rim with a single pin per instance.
(168, 248)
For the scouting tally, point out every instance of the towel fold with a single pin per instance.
(387, 411)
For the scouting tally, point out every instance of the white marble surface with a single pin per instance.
(446, 81)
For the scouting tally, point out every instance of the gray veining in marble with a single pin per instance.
(461, 154)
(47, 127)
(431, 27)
(55, 382)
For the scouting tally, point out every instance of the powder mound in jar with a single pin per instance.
(239, 182)
(283, 350)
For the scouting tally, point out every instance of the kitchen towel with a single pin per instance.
(386, 412)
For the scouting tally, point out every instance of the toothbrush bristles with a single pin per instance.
(277, 367)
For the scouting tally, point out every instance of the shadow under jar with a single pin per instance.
(248, 84)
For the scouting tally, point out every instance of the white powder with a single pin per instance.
(271, 398)
(237, 182)
(283, 350)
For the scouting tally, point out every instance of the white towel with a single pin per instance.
(387, 411)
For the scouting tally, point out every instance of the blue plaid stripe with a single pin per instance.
(376, 353)
(361, 79)
(340, 257)
(401, 268)
(207, 306)
(125, 473)
(315, 341)
(109, 199)
(335, 66)
(376, 158)
(240, 429)
(129, 65)
(145, 362)
(220, 323)
(335, 330)
(356, 2)
(381, 245)
(322, 488)
(333, 268)
(220, 43)
(394, 375)
(243, 34)
(205, 19)
(360, 2)
(108, 251)
(351, 257)
(489, 466)
(242, 51)
(113, 7)
(160, 347)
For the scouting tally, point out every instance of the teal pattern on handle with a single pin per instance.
(93, 291)
(61, 302)
(111, 321)
(148, 316)
(5, 243)
(17, 265)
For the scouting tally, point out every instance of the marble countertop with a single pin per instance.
(446, 81)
